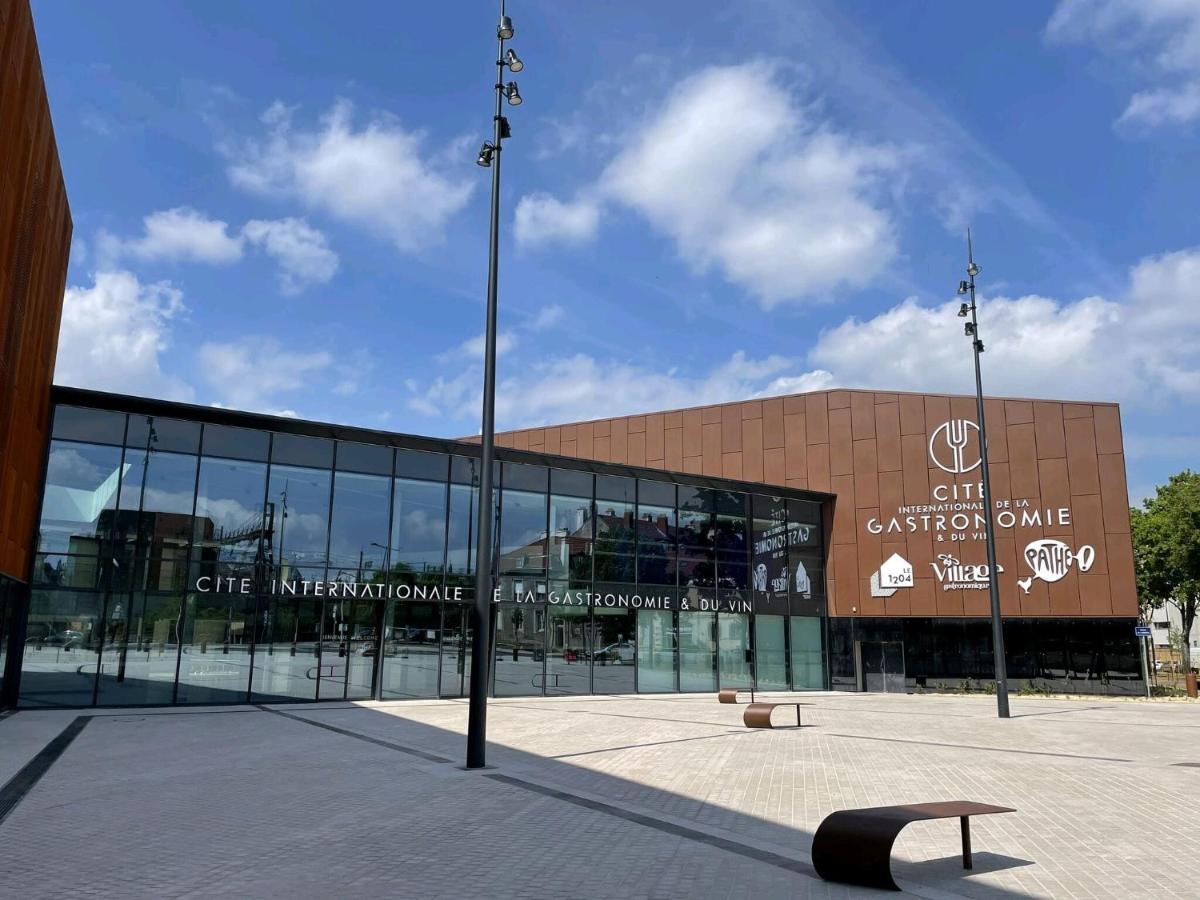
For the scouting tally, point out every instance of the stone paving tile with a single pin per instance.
(155, 804)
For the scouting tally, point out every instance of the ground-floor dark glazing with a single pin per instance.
(1088, 656)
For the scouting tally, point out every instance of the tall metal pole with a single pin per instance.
(481, 618)
(989, 512)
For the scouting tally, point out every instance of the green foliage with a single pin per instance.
(1166, 549)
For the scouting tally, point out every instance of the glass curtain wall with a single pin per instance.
(188, 563)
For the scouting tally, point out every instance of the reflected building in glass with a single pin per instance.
(193, 556)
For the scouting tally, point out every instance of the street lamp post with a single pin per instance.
(971, 329)
(489, 156)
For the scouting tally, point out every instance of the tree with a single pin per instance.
(1166, 551)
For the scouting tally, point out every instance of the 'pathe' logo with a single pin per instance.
(896, 573)
(950, 446)
(1051, 560)
(957, 576)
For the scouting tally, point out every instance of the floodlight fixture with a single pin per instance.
(513, 94)
(513, 61)
(486, 152)
(505, 29)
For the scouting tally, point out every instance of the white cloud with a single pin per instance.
(180, 234)
(302, 251)
(543, 219)
(548, 317)
(1159, 39)
(745, 180)
(113, 335)
(250, 373)
(473, 348)
(375, 177)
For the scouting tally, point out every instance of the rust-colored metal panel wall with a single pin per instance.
(1058, 474)
(35, 241)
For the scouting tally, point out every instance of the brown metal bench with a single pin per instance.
(730, 695)
(854, 846)
(758, 715)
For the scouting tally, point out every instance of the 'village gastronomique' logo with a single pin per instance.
(951, 447)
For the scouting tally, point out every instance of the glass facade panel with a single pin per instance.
(358, 547)
(411, 645)
(522, 532)
(655, 651)
(770, 653)
(455, 680)
(235, 443)
(93, 426)
(229, 518)
(656, 529)
(730, 541)
(733, 636)
(141, 649)
(808, 667)
(612, 634)
(519, 666)
(568, 650)
(82, 485)
(301, 507)
(570, 538)
(63, 639)
(418, 543)
(170, 435)
(214, 659)
(460, 536)
(287, 653)
(154, 515)
(697, 651)
(697, 538)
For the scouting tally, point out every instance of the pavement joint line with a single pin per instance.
(17, 787)
(746, 850)
(428, 757)
(868, 737)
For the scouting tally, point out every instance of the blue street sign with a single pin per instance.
(1142, 630)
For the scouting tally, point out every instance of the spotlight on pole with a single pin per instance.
(505, 30)
(486, 152)
(513, 61)
(513, 94)
(971, 329)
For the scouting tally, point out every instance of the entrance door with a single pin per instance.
(882, 666)
(456, 652)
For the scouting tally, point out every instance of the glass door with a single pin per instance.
(520, 654)
(410, 650)
(655, 651)
(733, 642)
(568, 651)
(697, 651)
(770, 653)
(882, 666)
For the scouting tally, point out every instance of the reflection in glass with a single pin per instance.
(616, 541)
(214, 662)
(299, 498)
(770, 653)
(456, 651)
(520, 650)
(464, 510)
(614, 654)
(697, 537)
(655, 651)
(362, 619)
(808, 671)
(656, 543)
(522, 532)
(568, 651)
(733, 636)
(358, 538)
(287, 654)
(229, 517)
(697, 651)
(141, 649)
(160, 485)
(730, 541)
(419, 530)
(82, 482)
(62, 643)
(570, 537)
(411, 644)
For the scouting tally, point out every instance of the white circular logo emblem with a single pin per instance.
(951, 446)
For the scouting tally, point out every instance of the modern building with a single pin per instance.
(162, 553)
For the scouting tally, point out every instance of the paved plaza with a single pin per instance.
(598, 797)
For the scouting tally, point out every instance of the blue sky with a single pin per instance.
(276, 205)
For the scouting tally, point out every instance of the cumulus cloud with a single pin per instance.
(375, 176)
(180, 234)
(114, 333)
(543, 219)
(1161, 38)
(547, 317)
(302, 251)
(251, 373)
(744, 180)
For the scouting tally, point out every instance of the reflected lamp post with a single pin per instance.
(489, 157)
(971, 329)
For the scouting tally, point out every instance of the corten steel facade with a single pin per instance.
(1061, 510)
(35, 237)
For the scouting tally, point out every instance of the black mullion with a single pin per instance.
(382, 618)
(325, 598)
(109, 569)
(181, 622)
(258, 588)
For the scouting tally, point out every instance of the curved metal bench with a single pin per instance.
(854, 846)
(758, 715)
(729, 695)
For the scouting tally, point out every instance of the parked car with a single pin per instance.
(621, 653)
